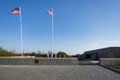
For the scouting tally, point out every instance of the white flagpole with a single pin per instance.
(52, 34)
(21, 36)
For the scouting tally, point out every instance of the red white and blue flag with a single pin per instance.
(15, 11)
(50, 12)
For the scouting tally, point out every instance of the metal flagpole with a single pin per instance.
(21, 36)
(52, 35)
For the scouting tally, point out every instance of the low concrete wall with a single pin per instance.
(38, 61)
(91, 62)
(109, 61)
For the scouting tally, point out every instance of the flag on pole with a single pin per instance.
(15, 11)
(50, 12)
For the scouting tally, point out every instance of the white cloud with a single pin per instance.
(94, 44)
(97, 45)
(113, 42)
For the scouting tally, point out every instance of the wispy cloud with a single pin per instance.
(94, 44)
(113, 42)
(97, 45)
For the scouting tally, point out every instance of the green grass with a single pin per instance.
(117, 66)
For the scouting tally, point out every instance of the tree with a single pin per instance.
(49, 53)
(39, 52)
(77, 56)
(4, 52)
(61, 54)
(33, 54)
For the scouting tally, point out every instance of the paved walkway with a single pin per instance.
(63, 72)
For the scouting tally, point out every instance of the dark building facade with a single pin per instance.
(110, 52)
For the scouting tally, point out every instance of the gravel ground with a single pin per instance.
(56, 72)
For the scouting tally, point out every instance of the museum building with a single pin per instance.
(109, 52)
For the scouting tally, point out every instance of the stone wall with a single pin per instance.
(109, 61)
(38, 61)
(91, 62)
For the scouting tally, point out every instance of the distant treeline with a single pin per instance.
(4, 52)
(61, 54)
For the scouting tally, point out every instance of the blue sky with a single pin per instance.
(79, 25)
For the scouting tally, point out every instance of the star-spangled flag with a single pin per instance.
(50, 12)
(15, 11)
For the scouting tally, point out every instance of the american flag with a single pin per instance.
(50, 12)
(15, 11)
